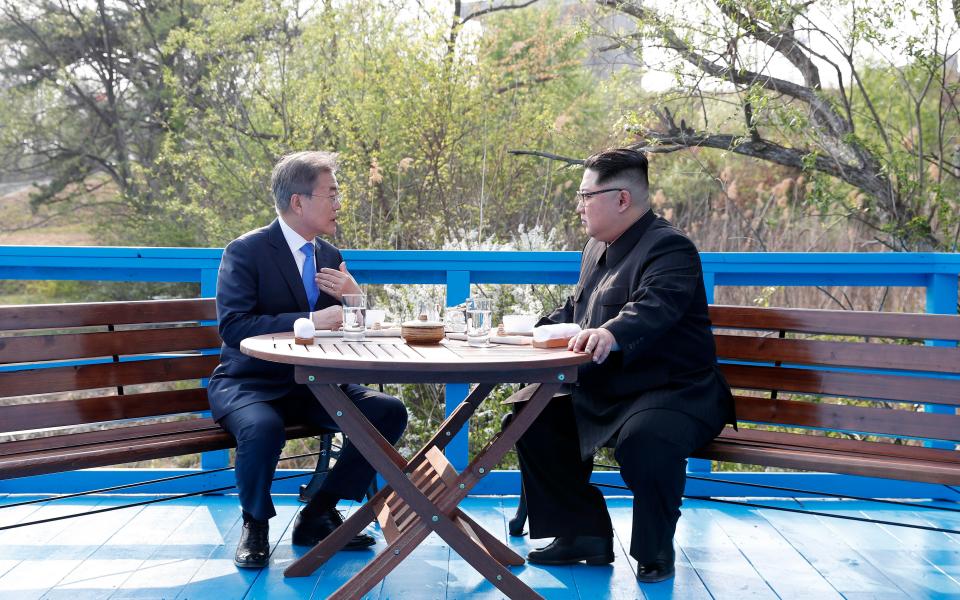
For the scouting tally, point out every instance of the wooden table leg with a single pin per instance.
(386, 460)
(355, 523)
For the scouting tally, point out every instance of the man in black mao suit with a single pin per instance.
(653, 390)
(268, 278)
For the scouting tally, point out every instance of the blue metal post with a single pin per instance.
(702, 465)
(214, 459)
(458, 450)
(941, 299)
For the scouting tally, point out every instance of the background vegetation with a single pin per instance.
(772, 125)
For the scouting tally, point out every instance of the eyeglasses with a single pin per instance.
(334, 199)
(584, 196)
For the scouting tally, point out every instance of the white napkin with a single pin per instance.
(555, 332)
(303, 328)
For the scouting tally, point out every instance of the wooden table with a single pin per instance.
(422, 494)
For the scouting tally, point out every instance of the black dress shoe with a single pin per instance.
(660, 569)
(253, 551)
(308, 531)
(594, 550)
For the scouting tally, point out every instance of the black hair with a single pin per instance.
(616, 161)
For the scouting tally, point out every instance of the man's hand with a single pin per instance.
(597, 342)
(328, 318)
(337, 282)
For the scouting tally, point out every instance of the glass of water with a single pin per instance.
(354, 315)
(479, 319)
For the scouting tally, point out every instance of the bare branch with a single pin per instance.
(570, 161)
(492, 9)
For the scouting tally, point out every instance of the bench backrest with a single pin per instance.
(862, 375)
(75, 364)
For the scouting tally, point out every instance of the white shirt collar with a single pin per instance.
(294, 239)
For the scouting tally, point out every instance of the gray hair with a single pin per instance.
(297, 173)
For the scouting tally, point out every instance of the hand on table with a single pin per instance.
(337, 282)
(597, 342)
(328, 318)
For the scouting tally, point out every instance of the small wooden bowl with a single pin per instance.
(421, 332)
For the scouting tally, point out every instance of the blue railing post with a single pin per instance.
(941, 299)
(458, 450)
(215, 459)
(702, 465)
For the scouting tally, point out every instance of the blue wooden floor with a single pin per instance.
(184, 549)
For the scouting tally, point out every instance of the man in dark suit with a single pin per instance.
(268, 278)
(653, 390)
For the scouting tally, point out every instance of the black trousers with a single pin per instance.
(651, 447)
(259, 431)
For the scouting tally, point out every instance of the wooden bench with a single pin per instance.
(840, 391)
(131, 370)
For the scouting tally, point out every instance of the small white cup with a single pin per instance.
(374, 316)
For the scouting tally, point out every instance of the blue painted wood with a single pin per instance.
(549, 582)
(47, 552)
(937, 272)
(715, 557)
(784, 569)
(218, 577)
(618, 581)
(846, 570)
(908, 569)
(119, 547)
(463, 580)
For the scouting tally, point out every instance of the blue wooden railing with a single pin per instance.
(457, 270)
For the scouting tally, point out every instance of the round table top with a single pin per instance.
(394, 354)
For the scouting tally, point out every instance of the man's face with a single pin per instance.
(600, 213)
(319, 208)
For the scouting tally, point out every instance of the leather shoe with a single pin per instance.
(567, 550)
(253, 551)
(660, 569)
(310, 530)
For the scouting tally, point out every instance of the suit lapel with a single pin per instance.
(286, 265)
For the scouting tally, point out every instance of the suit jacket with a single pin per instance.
(259, 290)
(647, 289)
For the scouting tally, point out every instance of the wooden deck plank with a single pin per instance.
(619, 580)
(840, 564)
(218, 577)
(910, 571)
(549, 582)
(463, 580)
(784, 569)
(121, 554)
(715, 557)
(173, 563)
(12, 516)
(686, 584)
(47, 552)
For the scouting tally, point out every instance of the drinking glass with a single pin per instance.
(479, 319)
(456, 320)
(354, 314)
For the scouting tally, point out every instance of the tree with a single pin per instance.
(839, 90)
(84, 82)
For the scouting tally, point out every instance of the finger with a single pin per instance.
(581, 342)
(333, 273)
(592, 341)
(343, 267)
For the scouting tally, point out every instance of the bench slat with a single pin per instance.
(37, 348)
(40, 415)
(839, 446)
(923, 390)
(813, 460)
(47, 316)
(838, 322)
(849, 354)
(84, 377)
(883, 421)
(129, 447)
